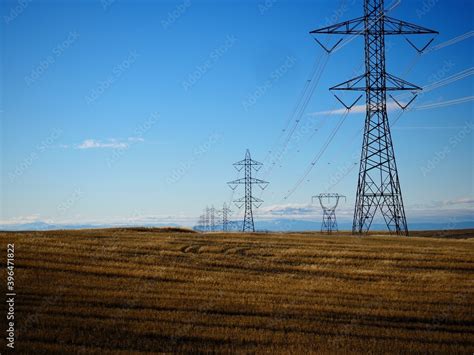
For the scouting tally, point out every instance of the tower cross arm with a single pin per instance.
(247, 162)
(244, 180)
(357, 26)
(350, 27)
(252, 199)
(238, 181)
(258, 181)
(330, 195)
(354, 84)
(394, 84)
(398, 27)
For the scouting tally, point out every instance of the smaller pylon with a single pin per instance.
(225, 217)
(201, 226)
(207, 219)
(329, 203)
(212, 219)
(248, 165)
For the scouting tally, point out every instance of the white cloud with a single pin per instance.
(135, 219)
(460, 208)
(22, 219)
(391, 106)
(111, 143)
(447, 211)
(135, 139)
(92, 143)
(461, 201)
(290, 210)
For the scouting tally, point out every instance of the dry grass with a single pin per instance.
(135, 290)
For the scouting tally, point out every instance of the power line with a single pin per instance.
(318, 155)
(426, 88)
(378, 187)
(300, 108)
(276, 153)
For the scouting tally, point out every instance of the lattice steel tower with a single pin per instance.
(207, 218)
(201, 226)
(329, 203)
(225, 217)
(248, 200)
(212, 219)
(379, 186)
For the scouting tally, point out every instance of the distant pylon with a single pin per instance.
(248, 200)
(212, 219)
(225, 217)
(201, 224)
(207, 219)
(379, 186)
(329, 203)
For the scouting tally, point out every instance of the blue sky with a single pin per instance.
(116, 111)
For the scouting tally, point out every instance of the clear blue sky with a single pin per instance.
(113, 111)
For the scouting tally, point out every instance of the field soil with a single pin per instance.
(148, 290)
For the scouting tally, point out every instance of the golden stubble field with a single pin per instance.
(148, 290)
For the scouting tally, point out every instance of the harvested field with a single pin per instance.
(146, 290)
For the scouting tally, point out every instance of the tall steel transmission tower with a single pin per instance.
(329, 203)
(248, 165)
(379, 186)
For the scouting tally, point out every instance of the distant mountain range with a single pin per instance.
(42, 226)
(301, 225)
(276, 225)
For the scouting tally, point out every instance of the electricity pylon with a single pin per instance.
(329, 203)
(225, 217)
(379, 186)
(212, 219)
(207, 219)
(248, 200)
(202, 223)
